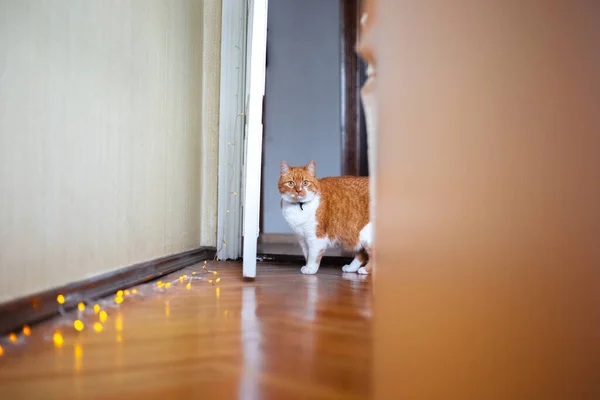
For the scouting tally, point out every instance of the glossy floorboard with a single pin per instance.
(282, 336)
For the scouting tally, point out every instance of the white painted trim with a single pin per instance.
(257, 44)
(231, 128)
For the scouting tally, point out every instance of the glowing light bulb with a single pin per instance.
(210, 281)
(194, 273)
(81, 306)
(26, 330)
(102, 316)
(204, 262)
(96, 308)
(227, 211)
(181, 279)
(12, 337)
(218, 280)
(118, 300)
(126, 292)
(133, 291)
(98, 327)
(188, 285)
(218, 292)
(120, 293)
(168, 285)
(58, 339)
(214, 272)
(1, 351)
(60, 299)
(185, 277)
(78, 325)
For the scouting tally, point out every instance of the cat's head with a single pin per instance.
(298, 184)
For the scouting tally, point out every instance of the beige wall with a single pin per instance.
(209, 141)
(102, 139)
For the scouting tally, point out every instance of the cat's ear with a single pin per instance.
(284, 168)
(312, 168)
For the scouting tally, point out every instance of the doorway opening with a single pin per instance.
(311, 108)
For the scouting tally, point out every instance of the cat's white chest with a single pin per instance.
(303, 221)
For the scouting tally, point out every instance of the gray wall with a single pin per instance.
(302, 95)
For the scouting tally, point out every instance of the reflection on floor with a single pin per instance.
(282, 336)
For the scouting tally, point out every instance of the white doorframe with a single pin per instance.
(257, 51)
(232, 121)
(243, 62)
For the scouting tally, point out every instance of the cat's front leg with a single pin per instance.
(316, 248)
(304, 247)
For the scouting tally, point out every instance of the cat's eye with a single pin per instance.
(305, 183)
(291, 183)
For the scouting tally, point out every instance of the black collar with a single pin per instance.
(300, 203)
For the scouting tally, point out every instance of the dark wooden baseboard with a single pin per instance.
(297, 259)
(41, 306)
(284, 248)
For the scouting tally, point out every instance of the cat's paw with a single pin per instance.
(350, 268)
(363, 271)
(308, 270)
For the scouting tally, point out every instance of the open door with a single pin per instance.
(255, 79)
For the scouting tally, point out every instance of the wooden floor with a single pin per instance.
(281, 336)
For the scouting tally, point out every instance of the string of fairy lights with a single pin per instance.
(94, 313)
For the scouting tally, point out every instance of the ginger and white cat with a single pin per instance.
(327, 212)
